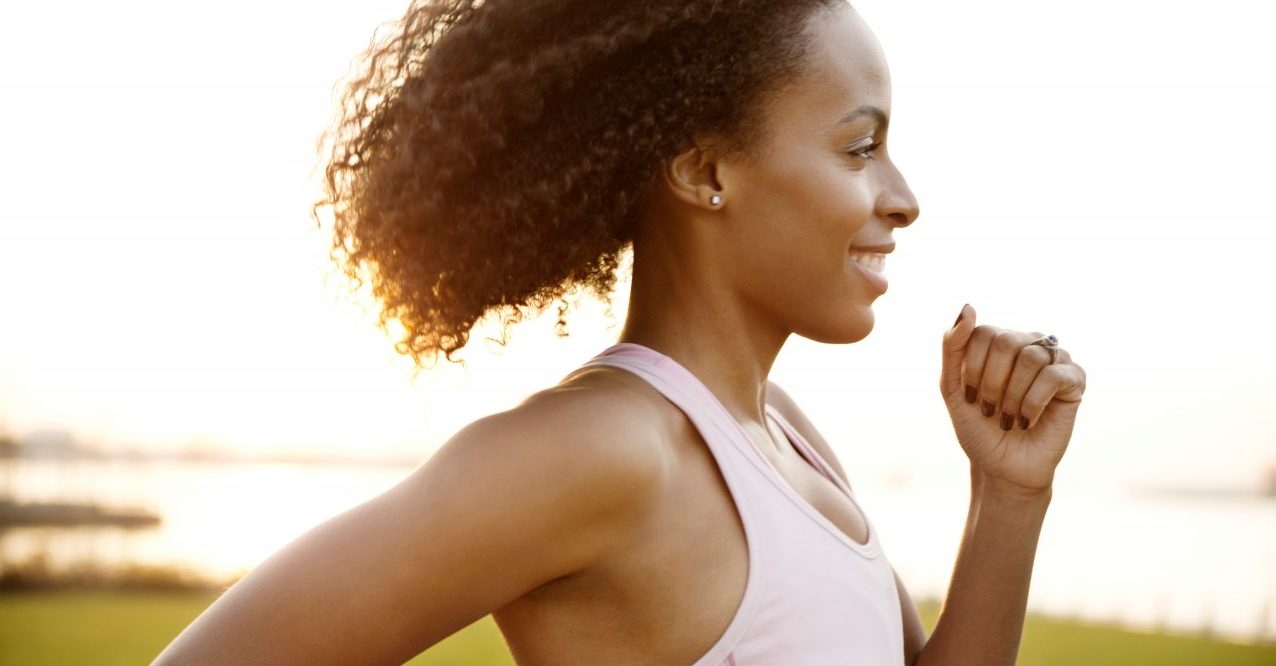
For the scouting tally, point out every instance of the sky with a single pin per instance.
(1096, 170)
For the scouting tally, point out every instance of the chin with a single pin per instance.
(854, 327)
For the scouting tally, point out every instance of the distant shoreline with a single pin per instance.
(66, 514)
(212, 456)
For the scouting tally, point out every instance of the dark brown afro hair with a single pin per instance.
(491, 156)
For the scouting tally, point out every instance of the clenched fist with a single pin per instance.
(1012, 410)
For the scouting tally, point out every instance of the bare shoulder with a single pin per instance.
(509, 503)
(625, 398)
(605, 417)
(597, 438)
(591, 446)
(788, 408)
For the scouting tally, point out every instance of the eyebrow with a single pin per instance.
(867, 110)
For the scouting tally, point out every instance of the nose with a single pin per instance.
(897, 203)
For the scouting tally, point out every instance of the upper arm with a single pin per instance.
(914, 632)
(510, 502)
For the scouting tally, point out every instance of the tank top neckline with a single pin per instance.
(869, 549)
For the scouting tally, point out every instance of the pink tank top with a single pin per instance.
(814, 596)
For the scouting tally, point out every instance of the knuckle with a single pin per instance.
(1006, 341)
(1036, 354)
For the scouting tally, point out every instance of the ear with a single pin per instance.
(694, 176)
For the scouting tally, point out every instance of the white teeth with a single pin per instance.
(874, 261)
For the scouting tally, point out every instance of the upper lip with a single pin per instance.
(884, 249)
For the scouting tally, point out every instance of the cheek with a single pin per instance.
(804, 198)
(821, 194)
(803, 211)
(843, 197)
(808, 246)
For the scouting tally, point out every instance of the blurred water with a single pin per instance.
(217, 518)
(1193, 564)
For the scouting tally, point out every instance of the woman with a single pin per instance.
(664, 503)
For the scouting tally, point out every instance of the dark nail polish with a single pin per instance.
(971, 394)
(988, 408)
(1007, 422)
(1023, 422)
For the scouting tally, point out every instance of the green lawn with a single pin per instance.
(105, 628)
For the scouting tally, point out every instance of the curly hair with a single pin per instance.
(493, 155)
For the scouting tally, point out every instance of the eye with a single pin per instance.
(865, 153)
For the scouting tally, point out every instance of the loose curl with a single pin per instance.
(494, 154)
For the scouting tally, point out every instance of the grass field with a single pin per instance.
(107, 628)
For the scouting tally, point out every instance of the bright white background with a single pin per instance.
(1097, 170)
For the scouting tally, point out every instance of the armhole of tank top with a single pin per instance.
(870, 548)
(807, 451)
(648, 368)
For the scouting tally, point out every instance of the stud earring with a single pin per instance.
(715, 200)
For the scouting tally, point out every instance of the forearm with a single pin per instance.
(982, 617)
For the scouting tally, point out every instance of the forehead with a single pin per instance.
(845, 70)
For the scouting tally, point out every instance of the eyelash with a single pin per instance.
(865, 153)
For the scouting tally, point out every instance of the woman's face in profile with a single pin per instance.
(822, 183)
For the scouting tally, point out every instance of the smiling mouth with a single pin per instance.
(873, 261)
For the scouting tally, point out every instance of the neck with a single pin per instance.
(682, 305)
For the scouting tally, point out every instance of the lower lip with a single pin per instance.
(876, 278)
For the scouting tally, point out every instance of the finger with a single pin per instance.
(954, 351)
(1031, 360)
(976, 357)
(1003, 351)
(1062, 382)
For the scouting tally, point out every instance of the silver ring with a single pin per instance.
(1049, 342)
